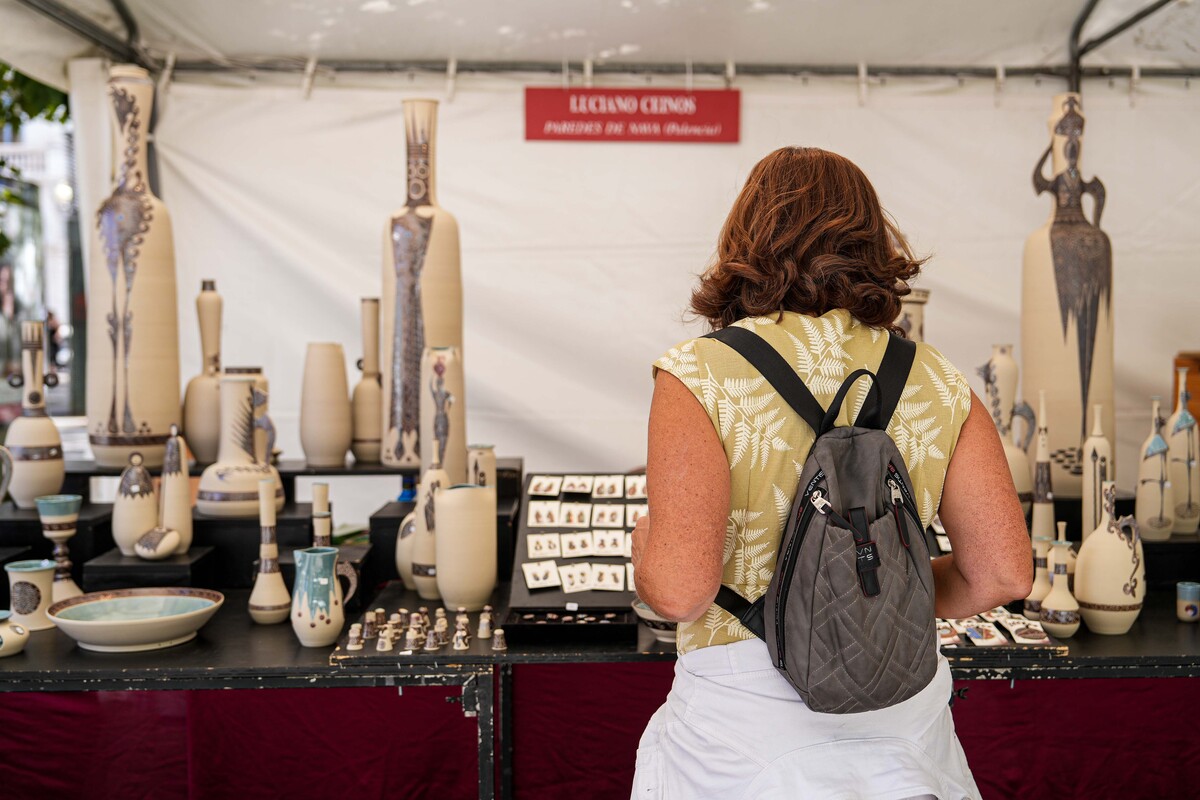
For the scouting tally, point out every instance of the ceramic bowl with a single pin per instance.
(664, 630)
(128, 620)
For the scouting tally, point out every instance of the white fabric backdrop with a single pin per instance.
(578, 257)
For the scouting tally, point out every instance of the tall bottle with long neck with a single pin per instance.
(270, 600)
(1097, 468)
(202, 398)
(1155, 503)
(1183, 438)
(1042, 523)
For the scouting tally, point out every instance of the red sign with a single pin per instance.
(632, 115)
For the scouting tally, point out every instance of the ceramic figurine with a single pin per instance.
(498, 640)
(229, 488)
(13, 635)
(443, 413)
(404, 549)
(1097, 468)
(264, 428)
(1041, 582)
(912, 314)
(202, 398)
(32, 439)
(30, 589)
(1155, 504)
(1042, 523)
(383, 643)
(135, 508)
(1060, 612)
(132, 324)
(270, 601)
(412, 639)
(59, 514)
(396, 620)
(481, 465)
(461, 640)
(441, 631)
(1056, 553)
(466, 546)
(369, 630)
(461, 620)
(326, 427)
(1110, 573)
(354, 639)
(1066, 300)
(176, 490)
(1000, 390)
(317, 603)
(367, 400)
(485, 627)
(426, 622)
(322, 517)
(432, 642)
(1183, 438)
(424, 547)
(422, 290)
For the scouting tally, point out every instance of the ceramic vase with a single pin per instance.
(326, 426)
(1183, 441)
(1066, 300)
(1110, 575)
(1000, 390)
(1067, 554)
(322, 516)
(367, 399)
(13, 635)
(443, 414)
(133, 329)
(1060, 611)
(176, 489)
(202, 398)
(424, 546)
(481, 465)
(1155, 502)
(1097, 468)
(318, 611)
(422, 290)
(270, 601)
(30, 592)
(264, 428)
(405, 537)
(466, 546)
(1042, 523)
(1041, 581)
(135, 508)
(229, 488)
(59, 514)
(912, 314)
(32, 439)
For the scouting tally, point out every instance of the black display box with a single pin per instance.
(236, 541)
(21, 527)
(113, 570)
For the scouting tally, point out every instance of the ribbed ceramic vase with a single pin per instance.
(133, 329)
(367, 399)
(1042, 522)
(444, 413)
(229, 488)
(1000, 390)
(269, 601)
(1066, 300)
(202, 398)
(1110, 574)
(1154, 506)
(33, 439)
(135, 508)
(424, 546)
(1183, 439)
(481, 465)
(1097, 468)
(326, 426)
(176, 489)
(422, 289)
(466, 546)
(405, 536)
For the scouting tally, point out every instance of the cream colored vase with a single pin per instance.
(481, 465)
(270, 600)
(229, 488)
(264, 429)
(1042, 523)
(32, 439)
(443, 413)
(1110, 574)
(326, 427)
(1183, 438)
(424, 546)
(405, 537)
(1060, 611)
(1041, 581)
(367, 400)
(176, 489)
(135, 508)
(1065, 553)
(1066, 300)
(202, 398)
(1155, 503)
(466, 546)
(1097, 468)
(422, 290)
(1000, 391)
(912, 314)
(133, 329)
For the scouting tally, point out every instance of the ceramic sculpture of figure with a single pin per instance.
(1097, 468)
(1155, 503)
(422, 290)
(32, 439)
(133, 360)
(135, 508)
(1000, 389)
(1110, 574)
(1042, 523)
(443, 414)
(367, 399)
(1184, 443)
(202, 398)
(1066, 300)
(176, 490)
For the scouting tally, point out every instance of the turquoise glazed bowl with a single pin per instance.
(128, 620)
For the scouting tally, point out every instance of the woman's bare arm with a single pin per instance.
(678, 561)
(992, 563)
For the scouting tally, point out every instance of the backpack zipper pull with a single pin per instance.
(897, 497)
(897, 501)
(819, 502)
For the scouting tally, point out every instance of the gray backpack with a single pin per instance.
(848, 616)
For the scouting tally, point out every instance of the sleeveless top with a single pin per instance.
(767, 443)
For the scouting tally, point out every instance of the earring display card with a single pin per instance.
(609, 487)
(635, 487)
(544, 545)
(544, 485)
(576, 545)
(608, 516)
(578, 484)
(575, 515)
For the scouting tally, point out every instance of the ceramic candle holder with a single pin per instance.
(60, 514)
(31, 585)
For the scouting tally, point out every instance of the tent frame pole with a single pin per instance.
(1077, 51)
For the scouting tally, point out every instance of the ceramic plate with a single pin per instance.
(128, 620)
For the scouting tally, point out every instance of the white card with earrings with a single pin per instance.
(541, 574)
(544, 514)
(608, 543)
(635, 487)
(576, 545)
(634, 512)
(608, 516)
(544, 545)
(545, 485)
(575, 515)
(576, 577)
(608, 577)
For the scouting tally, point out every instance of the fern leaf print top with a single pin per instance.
(767, 443)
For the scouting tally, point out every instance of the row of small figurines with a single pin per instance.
(422, 633)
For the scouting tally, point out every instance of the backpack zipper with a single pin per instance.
(911, 505)
(811, 505)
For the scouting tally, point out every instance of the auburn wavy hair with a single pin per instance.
(807, 234)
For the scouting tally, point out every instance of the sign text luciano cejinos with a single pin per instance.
(632, 115)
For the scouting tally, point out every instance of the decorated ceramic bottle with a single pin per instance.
(1097, 468)
(1000, 389)
(1184, 442)
(1155, 503)
(1060, 611)
(424, 546)
(32, 438)
(481, 465)
(133, 328)
(367, 400)
(1057, 552)
(135, 508)
(176, 489)
(422, 290)
(1043, 494)
(202, 399)
(270, 601)
(264, 428)
(229, 488)
(1066, 300)
(1041, 581)
(1110, 575)
(444, 413)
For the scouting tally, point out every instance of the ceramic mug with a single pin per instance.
(31, 586)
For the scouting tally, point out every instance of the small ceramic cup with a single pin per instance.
(1187, 601)
(59, 514)
(31, 587)
(12, 636)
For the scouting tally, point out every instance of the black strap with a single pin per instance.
(892, 376)
(772, 366)
(868, 416)
(749, 614)
(866, 554)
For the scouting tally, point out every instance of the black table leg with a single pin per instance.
(479, 701)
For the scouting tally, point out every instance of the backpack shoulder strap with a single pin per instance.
(892, 375)
(749, 614)
(772, 366)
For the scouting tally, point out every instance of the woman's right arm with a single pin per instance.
(991, 563)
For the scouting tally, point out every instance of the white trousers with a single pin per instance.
(733, 727)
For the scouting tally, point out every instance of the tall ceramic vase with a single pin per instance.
(270, 601)
(176, 490)
(1042, 523)
(481, 465)
(1066, 300)
(1060, 611)
(326, 426)
(1184, 442)
(202, 398)
(133, 360)
(1155, 502)
(367, 400)
(1110, 573)
(318, 607)
(466, 546)
(424, 546)
(912, 314)
(1000, 388)
(229, 488)
(1097, 468)
(422, 290)
(443, 413)
(32, 438)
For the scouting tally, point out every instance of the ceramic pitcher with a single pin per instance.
(317, 604)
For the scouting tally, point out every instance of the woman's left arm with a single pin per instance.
(678, 561)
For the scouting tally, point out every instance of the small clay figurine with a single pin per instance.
(384, 643)
(485, 627)
(355, 640)
(441, 630)
(396, 619)
(414, 624)
(432, 643)
(461, 641)
(498, 642)
(412, 639)
(461, 617)
(426, 622)
(368, 627)
(381, 618)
